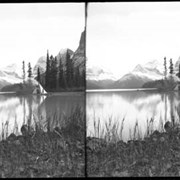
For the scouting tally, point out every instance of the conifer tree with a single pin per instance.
(53, 73)
(77, 77)
(24, 73)
(29, 70)
(38, 75)
(165, 68)
(47, 70)
(68, 69)
(83, 81)
(179, 72)
(61, 75)
(51, 61)
(171, 67)
(72, 83)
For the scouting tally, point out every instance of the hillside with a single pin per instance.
(164, 85)
(22, 88)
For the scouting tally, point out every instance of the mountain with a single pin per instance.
(62, 55)
(98, 78)
(41, 64)
(131, 81)
(12, 74)
(141, 74)
(77, 57)
(9, 75)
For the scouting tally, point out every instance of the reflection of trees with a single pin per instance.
(173, 98)
(171, 101)
(164, 99)
(24, 110)
(29, 103)
(34, 112)
(178, 105)
(57, 107)
(37, 108)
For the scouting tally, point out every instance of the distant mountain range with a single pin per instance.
(97, 78)
(12, 73)
(9, 75)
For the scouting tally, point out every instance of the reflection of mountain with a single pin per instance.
(8, 103)
(135, 107)
(141, 101)
(36, 109)
(18, 110)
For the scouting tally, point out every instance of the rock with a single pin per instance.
(168, 126)
(27, 131)
(24, 130)
(11, 137)
(155, 133)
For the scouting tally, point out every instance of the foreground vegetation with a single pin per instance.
(39, 153)
(157, 154)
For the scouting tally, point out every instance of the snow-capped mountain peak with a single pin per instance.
(96, 73)
(139, 68)
(12, 69)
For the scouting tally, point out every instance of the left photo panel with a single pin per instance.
(42, 90)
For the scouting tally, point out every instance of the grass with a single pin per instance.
(57, 152)
(157, 153)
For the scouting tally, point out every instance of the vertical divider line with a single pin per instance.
(85, 143)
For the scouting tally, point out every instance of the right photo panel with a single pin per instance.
(133, 89)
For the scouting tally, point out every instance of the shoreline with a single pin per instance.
(69, 93)
(121, 90)
(156, 155)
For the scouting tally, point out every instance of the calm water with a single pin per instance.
(137, 107)
(18, 110)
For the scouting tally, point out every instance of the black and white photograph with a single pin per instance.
(89, 89)
(133, 89)
(42, 90)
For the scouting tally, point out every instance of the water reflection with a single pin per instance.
(138, 108)
(18, 110)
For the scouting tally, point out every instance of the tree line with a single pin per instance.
(29, 71)
(171, 68)
(58, 76)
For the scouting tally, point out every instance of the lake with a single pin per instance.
(18, 110)
(140, 109)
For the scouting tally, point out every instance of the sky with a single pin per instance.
(121, 35)
(27, 30)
